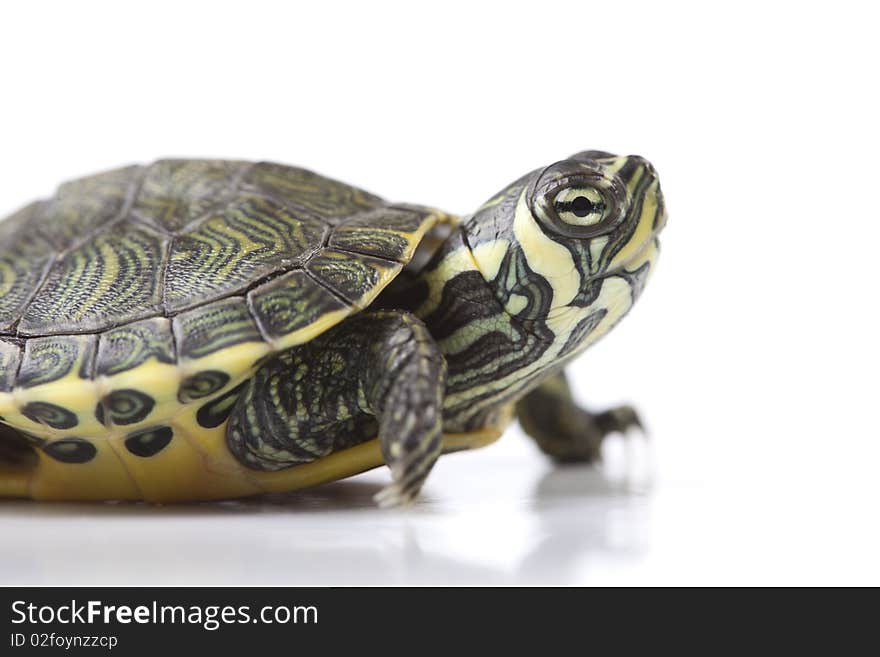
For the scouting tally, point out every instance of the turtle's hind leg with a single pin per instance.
(18, 463)
(563, 430)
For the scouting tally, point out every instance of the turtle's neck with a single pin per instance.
(481, 340)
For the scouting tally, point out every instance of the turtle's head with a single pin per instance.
(572, 241)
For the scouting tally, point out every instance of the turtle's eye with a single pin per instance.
(574, 200)
(580, 206)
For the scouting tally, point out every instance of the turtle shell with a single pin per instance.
(134, 293)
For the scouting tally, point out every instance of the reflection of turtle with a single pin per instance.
(210, 329)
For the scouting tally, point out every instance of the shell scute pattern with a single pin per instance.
(52, 358)
(177, 193)
(351, 276)
(292, 303)
(115, 275)
(301, 188)
(24, 259)
(10, 359)
(250, 239)
(138, 243)
(82, 207)
(128, 346)
(138, 293)
(387, 234)
(208, 329)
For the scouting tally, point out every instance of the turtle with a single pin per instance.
(195, 330)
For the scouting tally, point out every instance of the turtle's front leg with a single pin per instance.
(376, 369)
(404, 385)
(565, 431)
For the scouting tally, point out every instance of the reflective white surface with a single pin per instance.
(752, 355)
(499, 516)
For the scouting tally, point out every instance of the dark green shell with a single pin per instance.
(183, 258)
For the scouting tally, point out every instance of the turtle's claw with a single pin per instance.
(623, 420)
(394, 496)
(402, 491)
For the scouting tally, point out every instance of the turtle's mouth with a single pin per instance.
(635, 260)
(638, 256)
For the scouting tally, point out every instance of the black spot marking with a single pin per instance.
(216, 412)
(71, 450)
(202, 385)
(127, 406)
(149, 442)
(52, 415)
(99, 414)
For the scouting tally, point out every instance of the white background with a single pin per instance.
(752, 355)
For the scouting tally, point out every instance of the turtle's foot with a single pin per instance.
(566, 432)
(398, 493)
(584, 444)
(410, 470)
(620, 419)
